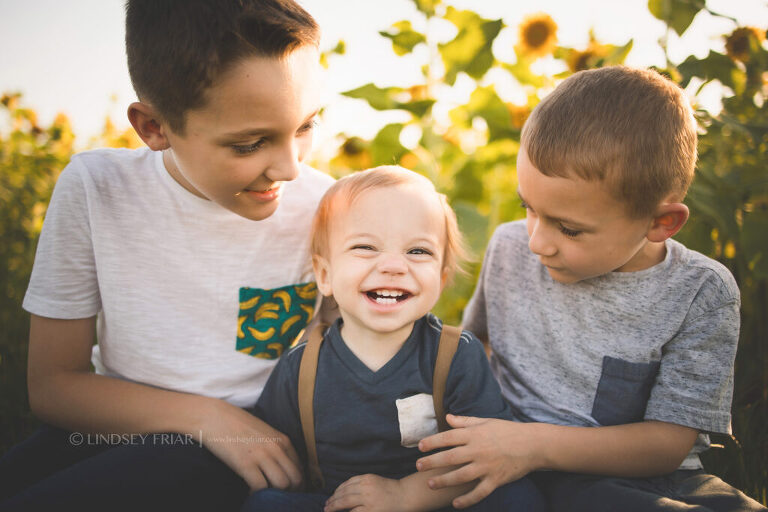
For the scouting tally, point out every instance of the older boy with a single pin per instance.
(613, 343)
(384, 244)
(156, 253)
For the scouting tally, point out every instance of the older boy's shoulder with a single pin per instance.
(310, 181)
(713, 279)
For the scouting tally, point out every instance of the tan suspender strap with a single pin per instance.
(449, 341)
(307, 372)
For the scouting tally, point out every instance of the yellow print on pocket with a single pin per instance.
(269, 321)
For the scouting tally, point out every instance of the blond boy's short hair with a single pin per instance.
(631, 128)
(346, 190)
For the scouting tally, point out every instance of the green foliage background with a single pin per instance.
(471, 159)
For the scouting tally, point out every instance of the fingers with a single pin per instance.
(452, 457)
(443, 440)
(273, 472)
(347, 496)
(480, 492)
(286, 457)
(462, 475)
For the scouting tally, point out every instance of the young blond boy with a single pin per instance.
(384, 244)
(188, 260)
(613, 343)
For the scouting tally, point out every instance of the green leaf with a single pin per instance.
(387, 99)
(484, 102)
(403, 37)
(521, 70)
(714, 66)
(617, 54)
(678, 14)
(471, 50)
(385, 147)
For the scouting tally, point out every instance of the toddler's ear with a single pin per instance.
(146, 122)
(669, 218)
(322, 275)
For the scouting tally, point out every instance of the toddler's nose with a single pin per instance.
(390, 263)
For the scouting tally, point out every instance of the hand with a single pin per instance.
(261, 455)
(366, 493)
(492, 451)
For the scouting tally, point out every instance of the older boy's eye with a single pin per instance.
(311, 125)
(571, 233)
(245, 149)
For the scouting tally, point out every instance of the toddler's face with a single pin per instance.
(384, 266)
(577, 229)
(251, 135)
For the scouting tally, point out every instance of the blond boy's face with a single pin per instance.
(578, 230)
(251, 135)
(384, 261)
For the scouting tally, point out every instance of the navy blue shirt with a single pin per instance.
(369, 422)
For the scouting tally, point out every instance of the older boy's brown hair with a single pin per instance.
(632, 128)
(178, 48)
(346, 190)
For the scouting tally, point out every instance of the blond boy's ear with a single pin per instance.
(322, 275)
(147, 124)
(670, 217)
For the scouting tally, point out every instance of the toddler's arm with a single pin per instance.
(65, 392)
(409, 494)
(499, 451)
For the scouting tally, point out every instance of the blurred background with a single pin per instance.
(442, 87)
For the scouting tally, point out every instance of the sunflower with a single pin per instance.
(737, 45)
(538, 35)
(518, 114)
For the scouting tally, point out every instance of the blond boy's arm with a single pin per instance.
(499, 451)
(369, 493)
(63, 391)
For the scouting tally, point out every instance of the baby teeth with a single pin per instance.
(389, 293)
(382, 300)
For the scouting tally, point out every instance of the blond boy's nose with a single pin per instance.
(392, 264)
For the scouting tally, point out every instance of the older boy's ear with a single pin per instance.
(146, 122)
(322, 275)
(670, 217)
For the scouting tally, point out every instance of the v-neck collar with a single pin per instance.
(358, 368)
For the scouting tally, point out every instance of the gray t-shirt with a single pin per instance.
(371, 422)
(658, 344)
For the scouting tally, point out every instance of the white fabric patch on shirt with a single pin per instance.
(416, 415)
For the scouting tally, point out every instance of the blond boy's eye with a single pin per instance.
(420, 250)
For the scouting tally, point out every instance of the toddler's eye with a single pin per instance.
(362, 247)
(420, 250)
(245, 149)
(570, 233)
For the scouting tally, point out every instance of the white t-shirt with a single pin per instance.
(190, 296)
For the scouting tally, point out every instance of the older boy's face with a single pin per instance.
(384, 266)
(251, 135)
(578, 230)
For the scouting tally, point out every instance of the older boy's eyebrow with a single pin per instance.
(250, 132)
(562, 220)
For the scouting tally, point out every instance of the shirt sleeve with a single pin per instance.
(694, 386)
(63, 282)
(278, 404)
(475, 317)
(471, 389)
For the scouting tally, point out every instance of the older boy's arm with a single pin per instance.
(409, 494)
(498, 451)
(63, 391)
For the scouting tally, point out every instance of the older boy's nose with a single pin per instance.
(286, 163)
(539, 242)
